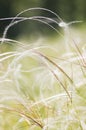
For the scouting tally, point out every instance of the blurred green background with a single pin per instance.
(68, 10)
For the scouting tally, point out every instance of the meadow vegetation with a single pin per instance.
(43, 84)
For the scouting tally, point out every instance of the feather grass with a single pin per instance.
(38, 88)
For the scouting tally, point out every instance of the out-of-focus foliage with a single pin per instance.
(68, 10)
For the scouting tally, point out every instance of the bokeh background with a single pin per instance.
(68, 10)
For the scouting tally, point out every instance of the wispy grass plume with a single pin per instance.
(42, 87)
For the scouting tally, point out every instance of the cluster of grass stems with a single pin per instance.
(42, 88)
